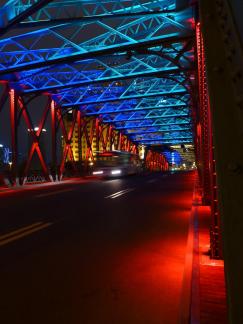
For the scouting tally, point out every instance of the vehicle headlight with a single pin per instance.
(113, 172)
(97, 172)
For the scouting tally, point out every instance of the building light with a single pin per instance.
(1, 145)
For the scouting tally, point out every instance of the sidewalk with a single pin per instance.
(33, 185)
(208, 298)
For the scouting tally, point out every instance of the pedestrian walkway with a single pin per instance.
(208, 282)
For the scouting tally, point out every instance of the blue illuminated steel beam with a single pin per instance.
(49, 80)
(171, 62)
(154, 114)
(166, 122)
(63, 11)
(16, 11)
(165, 142)
(136, 105)
(81, 102)
(135, 89)
(155, 130)
(162, 136)
(162, 140)
(151, 129)
(70, 42)
(92, 110)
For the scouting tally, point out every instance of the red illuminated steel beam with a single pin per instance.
(36, 135)
(207, 168)
(19, 110)
(67, 137)
(14, 137)
(224, 65)
(156, 161)
(88, 129)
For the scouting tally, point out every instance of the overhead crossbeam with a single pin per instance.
(16, 11)
(115, 110)
(136, 104)
(63, 11)
(71, 42)
(152, 129)
(162, 136)
(167, 141)
(133, 72)
(159, 113)
(153, 123)
(135, 89)
(171, 62)
(156, 131)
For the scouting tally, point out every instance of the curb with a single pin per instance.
(189, 305)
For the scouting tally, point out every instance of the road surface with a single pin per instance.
(92, 251)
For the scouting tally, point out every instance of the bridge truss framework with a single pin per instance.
(132, 73)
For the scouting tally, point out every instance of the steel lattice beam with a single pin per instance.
(130, 63)
(135, 89)
(16, 11)
(115, 110)
(66, 44)
(153, 123)
(172, 63)
(153, 129)
(158, 113)
(63, 11)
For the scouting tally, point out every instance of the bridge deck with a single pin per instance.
(99, 259)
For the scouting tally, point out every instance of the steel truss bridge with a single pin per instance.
(121, 74)
(126, 64)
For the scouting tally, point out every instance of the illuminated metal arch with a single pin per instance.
(106, 70)
(131, 36)
(16, 19)
(129, 43)
(175, 62)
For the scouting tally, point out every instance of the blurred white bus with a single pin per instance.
(116, 164)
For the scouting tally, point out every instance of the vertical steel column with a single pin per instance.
(4, 95)
(68, 140)
(204, 112)
(224, 64)
(35, 134)
(208, 172)
(14, 136)
(54, 140)
(119, 141)
(80, 132)
(110, 137)
(98, 133)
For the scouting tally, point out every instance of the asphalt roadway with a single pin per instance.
(95, 251)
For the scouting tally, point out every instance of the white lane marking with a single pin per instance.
(120, 193)
(22, 229)
(11, 237)
(116, 193)
(53, 193)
